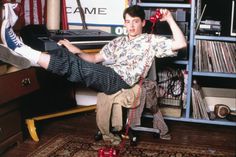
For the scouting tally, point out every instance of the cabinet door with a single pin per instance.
(10, 124)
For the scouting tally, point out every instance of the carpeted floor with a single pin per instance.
(75, 146)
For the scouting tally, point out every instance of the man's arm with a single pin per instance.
(93, 58)
(178, 36)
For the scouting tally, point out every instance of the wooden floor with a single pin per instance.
(211, 136)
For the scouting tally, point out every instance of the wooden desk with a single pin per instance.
(17, 84)
(12, 87)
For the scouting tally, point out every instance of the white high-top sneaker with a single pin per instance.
(13, 42)
(10, 57)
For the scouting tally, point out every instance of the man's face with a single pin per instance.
(134, 26)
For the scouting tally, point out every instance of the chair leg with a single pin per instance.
(133, 137)
(32, 129)
(98, 136)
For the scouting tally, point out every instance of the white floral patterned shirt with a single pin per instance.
(130, 58)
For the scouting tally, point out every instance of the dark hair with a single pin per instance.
(134, 11)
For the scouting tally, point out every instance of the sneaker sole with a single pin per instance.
(7, 56)
(3, 28)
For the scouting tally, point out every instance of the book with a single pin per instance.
(200, 109)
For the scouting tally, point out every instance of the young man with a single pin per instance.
(125, 59)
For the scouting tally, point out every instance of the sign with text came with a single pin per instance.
(97, 12)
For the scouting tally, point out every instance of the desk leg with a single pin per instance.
(32, 129)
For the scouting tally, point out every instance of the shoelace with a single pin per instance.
(14, 38)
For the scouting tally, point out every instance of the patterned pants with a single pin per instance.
(74, 69)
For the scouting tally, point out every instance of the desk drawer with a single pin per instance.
(10, 124)
(16, 84)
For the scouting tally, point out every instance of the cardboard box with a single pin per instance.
(215, 96)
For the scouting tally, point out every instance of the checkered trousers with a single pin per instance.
(74, 69)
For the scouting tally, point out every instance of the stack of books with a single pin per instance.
(215, 56)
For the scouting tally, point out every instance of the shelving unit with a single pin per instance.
(227, 77)
(217, 38)
(192, 37)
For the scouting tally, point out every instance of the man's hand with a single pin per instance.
(69, 46)
(166, 15)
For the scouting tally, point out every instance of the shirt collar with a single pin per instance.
(136, 38)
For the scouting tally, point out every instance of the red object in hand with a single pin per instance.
(158, 14)
(156, 17)
(153, 19)
(107, 152)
